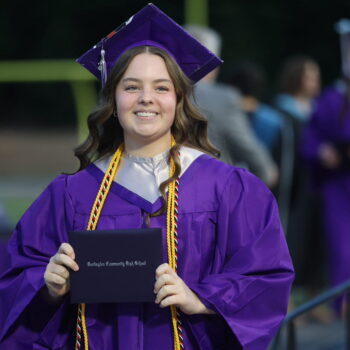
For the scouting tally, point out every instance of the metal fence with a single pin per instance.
(329, 295)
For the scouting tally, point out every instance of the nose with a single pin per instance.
(145, 97)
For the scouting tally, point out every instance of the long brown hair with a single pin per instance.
(106, 134)
(293, 70)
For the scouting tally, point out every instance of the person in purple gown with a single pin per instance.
(233, 274)
(326, 146)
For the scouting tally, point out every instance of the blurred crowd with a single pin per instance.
(295, 135)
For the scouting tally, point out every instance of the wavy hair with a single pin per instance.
(106, 134)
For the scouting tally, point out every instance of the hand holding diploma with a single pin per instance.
(172, 290)
(57, 271)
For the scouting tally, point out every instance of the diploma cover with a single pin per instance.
(115, 265)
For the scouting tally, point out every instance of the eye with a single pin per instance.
(131, 88)
(162, 88)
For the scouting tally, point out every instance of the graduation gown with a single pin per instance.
(331, 124)
(232, 253)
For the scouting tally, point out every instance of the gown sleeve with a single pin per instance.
(37, 236)
(252, 273)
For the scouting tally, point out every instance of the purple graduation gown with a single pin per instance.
(232, 253)
(326, 125)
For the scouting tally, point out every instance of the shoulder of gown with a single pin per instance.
(251, 271)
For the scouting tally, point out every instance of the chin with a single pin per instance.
(153, 136)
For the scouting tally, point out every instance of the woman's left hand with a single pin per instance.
(172, 290)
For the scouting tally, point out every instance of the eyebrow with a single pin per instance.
(125, 80)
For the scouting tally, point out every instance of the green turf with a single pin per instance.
(15, 207)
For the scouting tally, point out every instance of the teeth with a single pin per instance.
(146, 114)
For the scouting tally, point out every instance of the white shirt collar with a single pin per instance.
(144, 175)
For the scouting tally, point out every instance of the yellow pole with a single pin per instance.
(67, 70)
(85, 98)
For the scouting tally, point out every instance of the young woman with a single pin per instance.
(226, 284)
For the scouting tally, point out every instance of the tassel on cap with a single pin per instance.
(102, 67)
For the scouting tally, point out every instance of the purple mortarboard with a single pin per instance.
(343, 29)
(150, 27)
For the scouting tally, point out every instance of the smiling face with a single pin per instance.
(146, 102)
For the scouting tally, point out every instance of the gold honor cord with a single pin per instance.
(104, 189)
(171, 242)
(172, 245)
(171, 249)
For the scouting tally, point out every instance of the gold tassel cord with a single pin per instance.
(94, 216)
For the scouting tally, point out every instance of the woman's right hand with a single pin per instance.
(57, 271)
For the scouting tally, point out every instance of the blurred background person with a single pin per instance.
(299, 85)
(228, 127)
(250, 80)
(270, 127)
(327, 148)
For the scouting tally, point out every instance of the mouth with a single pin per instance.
(146, 114)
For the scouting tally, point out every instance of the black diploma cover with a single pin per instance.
(115, 265)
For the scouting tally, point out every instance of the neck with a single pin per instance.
(303, 100)
(147, 149)
(249, 104)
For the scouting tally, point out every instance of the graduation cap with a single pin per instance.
(343, 29)
(150, 27)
